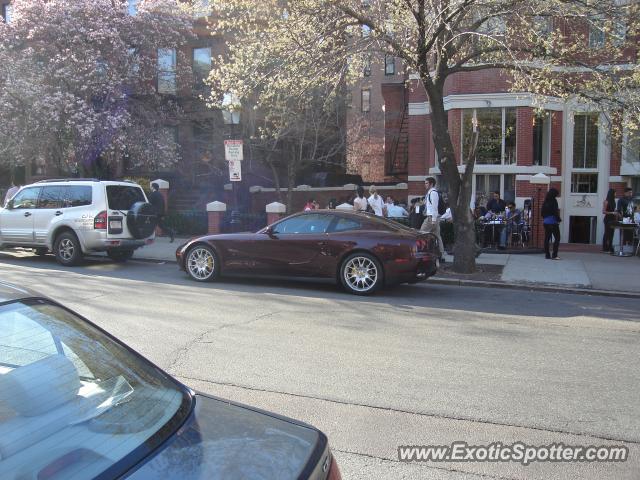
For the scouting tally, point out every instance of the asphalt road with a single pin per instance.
(416, 365)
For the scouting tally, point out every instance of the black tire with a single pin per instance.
(67, 249)
(41, 251)
(120, 255)
(141, 220)
(201, 263)
(361, 274)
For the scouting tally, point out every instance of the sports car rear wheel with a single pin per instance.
(202, 263)
(361, 274)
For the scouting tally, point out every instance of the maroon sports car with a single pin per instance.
(360, 251)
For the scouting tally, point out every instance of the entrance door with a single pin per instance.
(582, 229)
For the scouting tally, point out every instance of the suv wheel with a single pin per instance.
(361, 274)
(120, 255)
(67, 249)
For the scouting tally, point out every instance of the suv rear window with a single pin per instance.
(122, 197)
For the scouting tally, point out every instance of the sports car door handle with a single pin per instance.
(27, 214)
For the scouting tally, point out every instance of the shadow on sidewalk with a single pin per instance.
(98, 270)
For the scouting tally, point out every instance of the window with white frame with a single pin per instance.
(366, 99)
(496, 135)
(596, 33)
(367, 65)
(486, 184)
(585, 141)
(584, 183)
(541, 138)
(7, 11)
(201, 66)
(167, 82)
(389, 65)
(132, 7)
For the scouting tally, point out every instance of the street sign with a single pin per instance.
(235, 171)
(233, 150)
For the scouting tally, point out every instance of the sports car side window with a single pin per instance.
(346, 224)
(304, 224)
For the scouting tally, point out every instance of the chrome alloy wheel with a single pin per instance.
(361, 274)
(200, 263)
(66, 249)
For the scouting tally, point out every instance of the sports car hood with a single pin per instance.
(224, 440)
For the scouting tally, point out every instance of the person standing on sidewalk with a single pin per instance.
(360, 202)
(376, 203)
(551, 220)
(157, 200)
(610, 217)
(431, 223)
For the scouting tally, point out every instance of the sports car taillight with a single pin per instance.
(334, 471)
(100, 221)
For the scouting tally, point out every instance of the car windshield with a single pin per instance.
(75, 404)
(122, 197)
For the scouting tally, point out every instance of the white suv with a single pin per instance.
(73, 217)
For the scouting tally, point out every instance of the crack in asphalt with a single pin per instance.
(424, 465)
(180, 353)
(422, 414)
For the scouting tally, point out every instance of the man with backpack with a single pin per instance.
(434, 208)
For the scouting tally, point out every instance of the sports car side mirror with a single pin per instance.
(269, 231)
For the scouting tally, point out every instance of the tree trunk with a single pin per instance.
(459, 197)
(291, 180)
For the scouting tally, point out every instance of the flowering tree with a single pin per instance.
(78, 82)
(280, 48)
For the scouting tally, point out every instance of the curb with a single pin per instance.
(531, 287)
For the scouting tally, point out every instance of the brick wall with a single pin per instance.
(556, 141)
(524, 135)
(484, 81)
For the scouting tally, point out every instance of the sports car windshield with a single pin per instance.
(75, 404)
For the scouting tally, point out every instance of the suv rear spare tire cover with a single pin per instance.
(141, 220)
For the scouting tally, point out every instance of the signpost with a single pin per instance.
(233, 150)
(235, 171)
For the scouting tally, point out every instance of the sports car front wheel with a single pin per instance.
(361, 274)
(202, 263)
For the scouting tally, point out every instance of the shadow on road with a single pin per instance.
(409, 297)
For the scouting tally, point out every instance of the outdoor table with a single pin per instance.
(495, 223)
(623, 227)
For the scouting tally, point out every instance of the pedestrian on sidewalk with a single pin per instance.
(431, 223)
(360, 202)
(551, 219)
(376, 203)
(157, 200)
(610, 217)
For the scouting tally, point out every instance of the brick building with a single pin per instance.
(517, 140)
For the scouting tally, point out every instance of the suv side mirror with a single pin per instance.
(9, 205)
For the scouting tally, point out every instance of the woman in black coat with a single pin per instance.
(610, 217)
(551, 220)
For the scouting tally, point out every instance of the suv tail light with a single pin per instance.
(100, 221)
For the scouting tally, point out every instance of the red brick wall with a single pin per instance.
(484, 81)
(524, 135)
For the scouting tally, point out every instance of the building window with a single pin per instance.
(585, 141)
(132, 7)
(584, 183)
(485, 185)
(543, 25)
(366, 99)
(389, 65)
(596, 34)
(167, 71)
(497, 135)
(7, 11)
(367, 65)
(541, 139)
(366, 31)
(203, 9)
(201, 66)
(635, 185)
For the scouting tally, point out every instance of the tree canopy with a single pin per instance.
(78, 82)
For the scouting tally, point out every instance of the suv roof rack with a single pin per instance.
(51, 180)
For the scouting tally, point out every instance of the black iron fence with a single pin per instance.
(235, 221)
(187, 222)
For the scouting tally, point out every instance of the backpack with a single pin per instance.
(442, 207)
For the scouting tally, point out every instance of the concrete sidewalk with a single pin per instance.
(596, 271)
